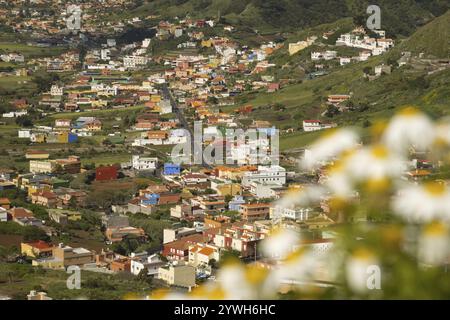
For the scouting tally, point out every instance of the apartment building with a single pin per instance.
(144, 163)
(45, 166)
(265, 174)
(64, 256)
(179, 275)
(254, 211)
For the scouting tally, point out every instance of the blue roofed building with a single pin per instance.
(150, 199)
(171, 169)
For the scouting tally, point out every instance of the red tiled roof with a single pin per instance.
(4, 201)
(40, 245)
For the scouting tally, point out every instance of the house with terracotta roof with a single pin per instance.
(18, 213)
(157, 137)
(118, 234)
(45, 198)
(120, 265)
(95, 125)
(336, 99)
(37, 155)
(179, 249)
(195, 181)
(71, 165)
(5, 203)
(68, 196)
(37, 249)
(202, 254)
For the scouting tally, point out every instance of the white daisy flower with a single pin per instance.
(297, 268)
(409, 128)
(361, 270)
(423, 203)
(280, 243)
(329, 146)
(434, 245)
(303, 197)
(443, 132)
(375, 163)
(234, 283)
(340, 184)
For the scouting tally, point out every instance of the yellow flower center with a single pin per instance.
(377, 185)
(392, 234)
(338, 203)
(435, 229)
(328, 133)
(409, 111)
(294, 257)
(255, 275)
(440, 142)
(337, 167)
(216, 294)
(363, 254)
(159, 294)
(435, 188)
(131, 296)
(378, 128)
(380, 152)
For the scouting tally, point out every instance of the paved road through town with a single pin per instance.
(195, 146)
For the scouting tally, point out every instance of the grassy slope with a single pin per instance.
(401, 17)
(16, 281)
(30, 51)
(432, 39)
(384, 95)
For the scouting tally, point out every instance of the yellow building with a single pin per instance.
(40, 138)
(207, 43)
(299, 46)
(64, 256)
(155, 98)
(63, 137)
(229, 189)
(36, 249)
(73, 215)
(37, 166)
(38, 188)
(99, 103)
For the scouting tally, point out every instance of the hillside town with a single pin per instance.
(88, 172)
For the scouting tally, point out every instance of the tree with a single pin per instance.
(73, 203)
(367, 123)
(143, 276)
(367, 70)
(24, 121)
(213, 263)
(33, 233)
(228, 255)
(332, 111)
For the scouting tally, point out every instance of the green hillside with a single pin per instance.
(433, 39)
(400, 17)
(421, 82)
